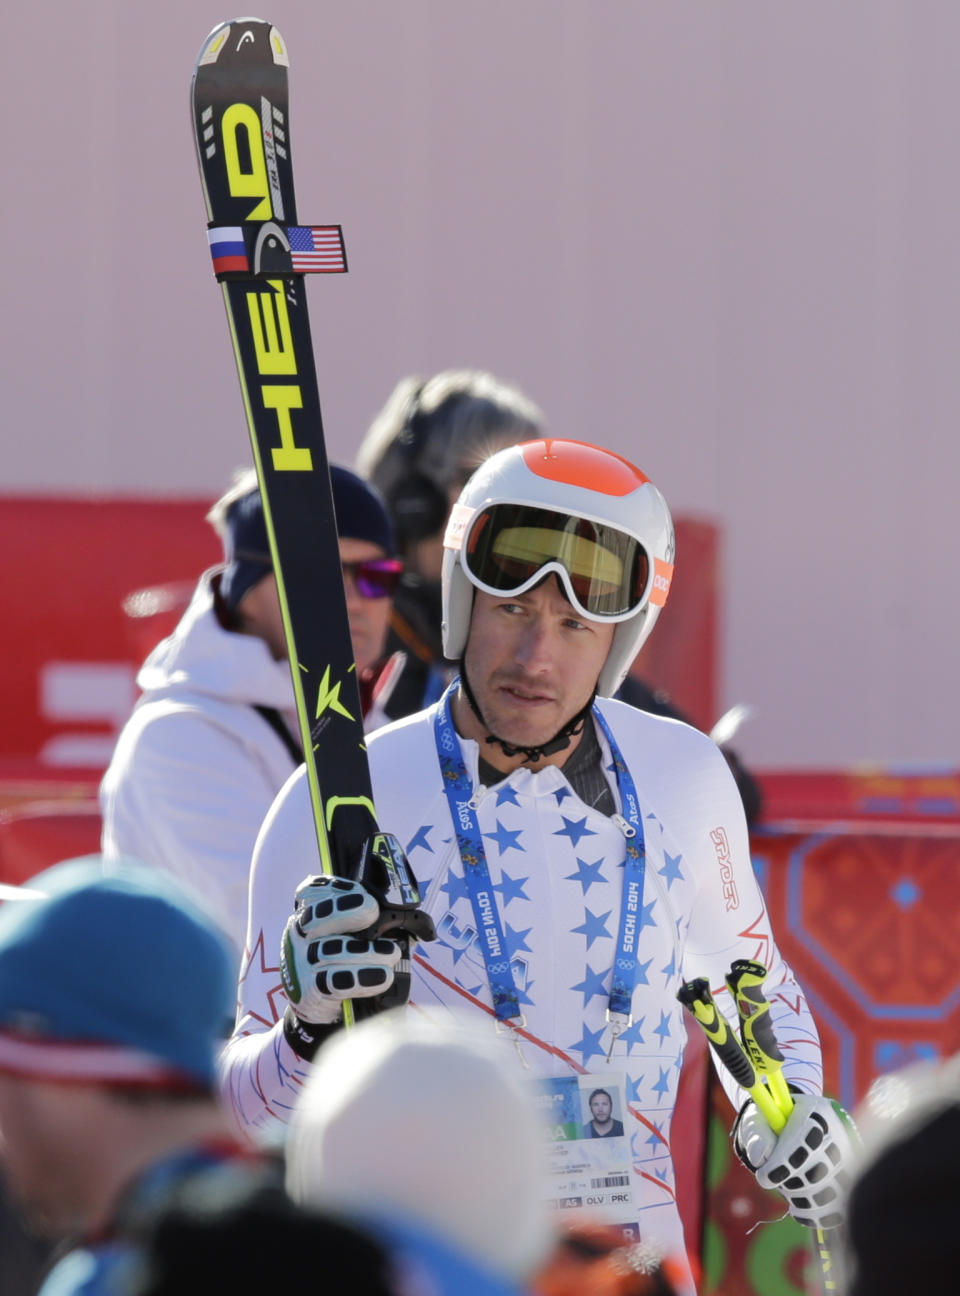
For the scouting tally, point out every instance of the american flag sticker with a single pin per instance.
(227, 249)
(317, 249)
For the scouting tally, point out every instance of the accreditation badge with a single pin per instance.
(588, 1154)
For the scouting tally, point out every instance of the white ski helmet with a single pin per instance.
(566, 507)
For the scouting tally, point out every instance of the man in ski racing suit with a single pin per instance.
(580, 858)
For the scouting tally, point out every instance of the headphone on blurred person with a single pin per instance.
(417, 504)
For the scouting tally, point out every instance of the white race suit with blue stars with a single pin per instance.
(556, 868)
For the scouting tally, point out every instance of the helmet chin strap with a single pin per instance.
(561, 739)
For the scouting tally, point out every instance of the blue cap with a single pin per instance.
(361, 515)
(112, 977)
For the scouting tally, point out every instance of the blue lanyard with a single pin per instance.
(463, 813)
(626, 962)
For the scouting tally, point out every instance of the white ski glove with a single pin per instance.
(321, 963)
(807, 1163)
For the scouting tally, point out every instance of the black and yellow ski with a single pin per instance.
(260, 255)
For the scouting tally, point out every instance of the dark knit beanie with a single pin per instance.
(361, 512)
(361, 515)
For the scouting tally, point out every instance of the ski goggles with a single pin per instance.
(376, 579)
(606, 573)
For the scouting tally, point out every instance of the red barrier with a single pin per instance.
(70, 657)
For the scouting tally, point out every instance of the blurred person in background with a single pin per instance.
(419, 451)
(114, 995)
(214, 735)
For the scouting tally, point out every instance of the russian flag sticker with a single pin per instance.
(227, 249)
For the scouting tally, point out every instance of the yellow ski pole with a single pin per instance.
(745, 982)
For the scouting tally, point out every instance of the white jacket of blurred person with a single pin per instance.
(196, 767)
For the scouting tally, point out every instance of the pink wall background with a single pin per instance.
(721, 239)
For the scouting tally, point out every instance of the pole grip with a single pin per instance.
(745, 982)
(697, 998)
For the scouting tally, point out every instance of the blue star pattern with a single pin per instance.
(574, 829)
(523, 996)
(456, 888)
(587, 874)
(419, 838)
(594, 983)
(511, 888)
(657, 1140)
(516, 941)
(633, 1035)
(505, 838)
(663, 1030)
(671, 869)
(662, 1087)
(593, 927)
(645, 1056)
(588, 1045)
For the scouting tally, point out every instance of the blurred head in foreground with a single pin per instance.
(428, 1129)
(231, 1238)
(114, 993)
(905, 1198)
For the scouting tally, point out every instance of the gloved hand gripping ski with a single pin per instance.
(350, 940)
(323, 962)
